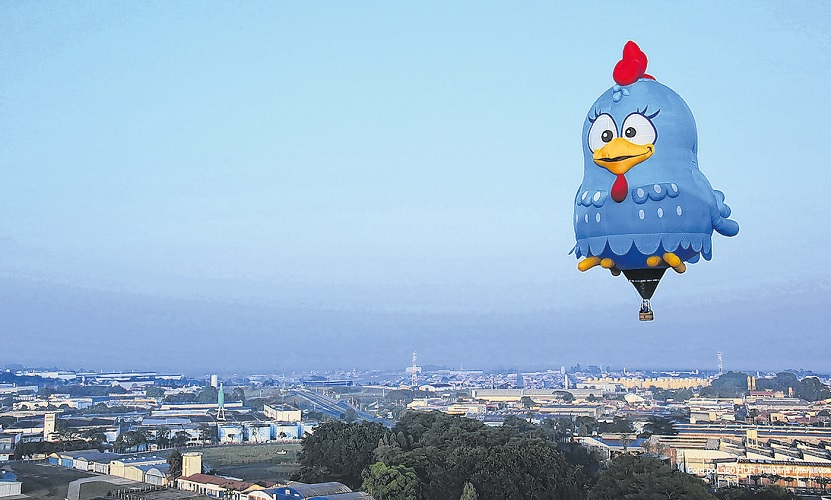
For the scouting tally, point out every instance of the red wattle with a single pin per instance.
(620, 188)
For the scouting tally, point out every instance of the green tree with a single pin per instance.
(586, 426)
(673, 394)
(207, 433)
(238, 394)
(728, 385)
(565, 396)
(772, 492)
(338, 451)
(154, 391)
(469, 493)
(660, 426)
(163, 437)
(208, 394)
(180, 439)
(526, 468)
(645, 478)
(95, 436)
(811, 389)
(394, 482)
(130, 441)
(350, 415)
(510, 462)
(618, 424)
(521, 425)
(175, 461)
(564, 427)
(527, 402)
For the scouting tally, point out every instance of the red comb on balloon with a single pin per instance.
(632, 66)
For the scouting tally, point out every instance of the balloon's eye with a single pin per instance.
(603, 130)
(639, 129)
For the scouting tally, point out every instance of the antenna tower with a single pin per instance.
(720, 370)
(414, 381)
(413, 371)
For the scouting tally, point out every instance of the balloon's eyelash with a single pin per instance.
(596, 114)
(643, 113)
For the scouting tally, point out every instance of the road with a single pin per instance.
(335, 408)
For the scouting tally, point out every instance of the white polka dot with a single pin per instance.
(660, 212)
(640, 192)
(641, 214)
(674, 187)
(596, 196)
(657, 188)
(587, 217)
(678, 210)
(586, 193)
(597, 217)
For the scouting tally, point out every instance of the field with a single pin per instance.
(253, 462)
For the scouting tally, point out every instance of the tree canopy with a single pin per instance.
(175, 461)
(338, 451)
(772, 492)
(435, 456)
(469, 493)
(734, 384)
(646, 478)
(391, 482)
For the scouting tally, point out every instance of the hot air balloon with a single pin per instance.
(644, 206)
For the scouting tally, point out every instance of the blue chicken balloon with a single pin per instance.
(644, 206)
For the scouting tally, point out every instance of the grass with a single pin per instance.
(221, 456)
(254, 462)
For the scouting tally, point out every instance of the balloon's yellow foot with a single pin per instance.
(588, 263)
(675, 262)
(653, 261)
(611, 266)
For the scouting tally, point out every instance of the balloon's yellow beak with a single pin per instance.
(620, 155)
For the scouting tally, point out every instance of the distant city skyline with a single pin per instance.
(267, 185)
(585, 367)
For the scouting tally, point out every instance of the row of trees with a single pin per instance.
(734, 384)
(434, 456)
(208, 394)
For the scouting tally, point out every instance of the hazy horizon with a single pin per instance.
(188, 185)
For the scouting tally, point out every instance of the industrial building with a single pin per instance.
(9, 485)
(282, 413)
(131, 467)
(257, 432)
(301, 491)
(644, 382)
(230, 433)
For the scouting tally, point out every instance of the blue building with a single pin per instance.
(301, 491)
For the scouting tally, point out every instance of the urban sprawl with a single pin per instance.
(240, 437)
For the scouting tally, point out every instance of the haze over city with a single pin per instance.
(208, 187)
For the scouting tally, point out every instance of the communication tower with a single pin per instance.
(413, 371)
(719, 363)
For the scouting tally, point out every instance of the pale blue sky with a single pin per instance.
(366, 179)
